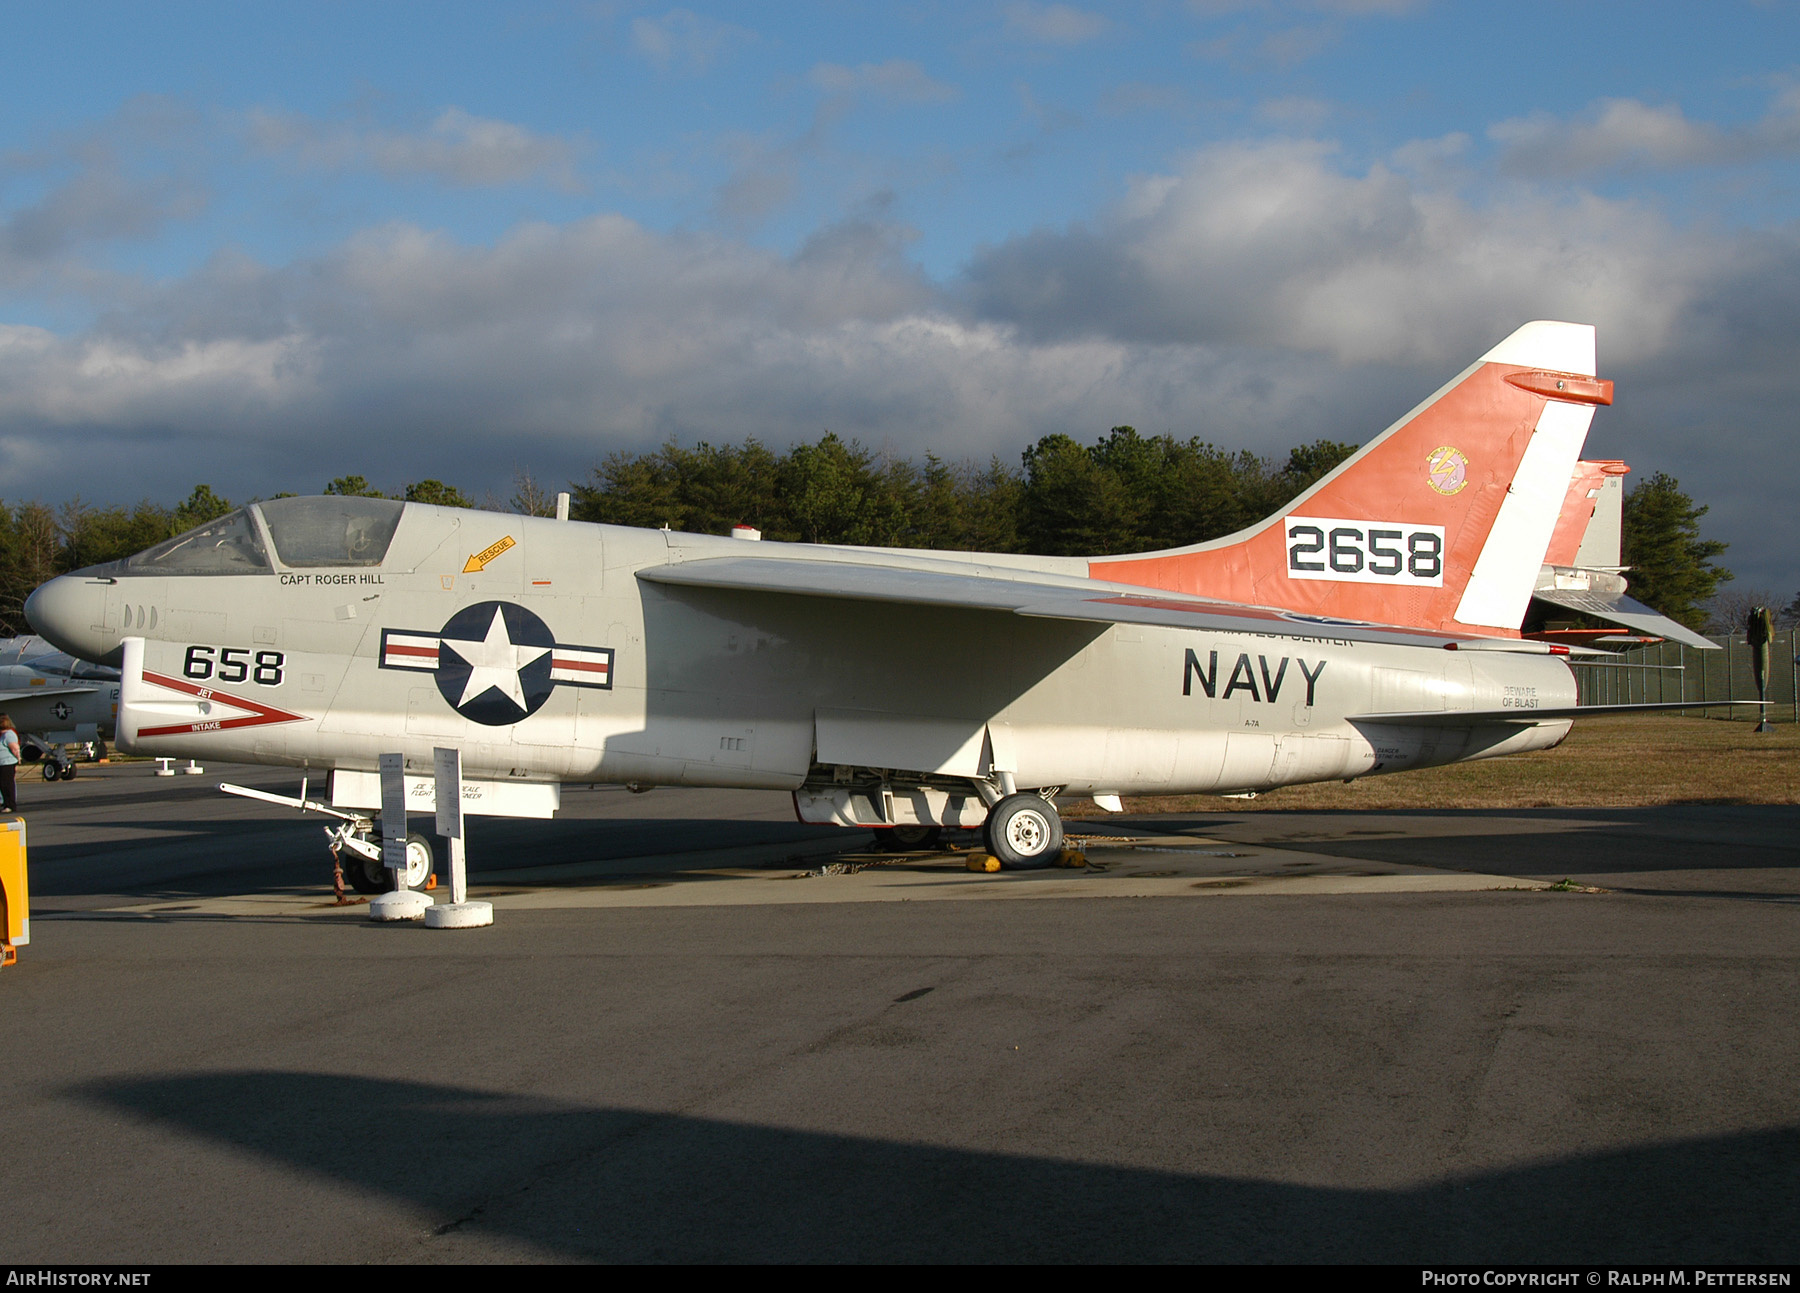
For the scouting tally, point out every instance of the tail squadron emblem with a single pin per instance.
(1447, 469)
(496, 663)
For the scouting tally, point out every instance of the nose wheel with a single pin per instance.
(1024, 832)
(368, 875)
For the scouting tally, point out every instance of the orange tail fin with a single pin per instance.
(1440, 522)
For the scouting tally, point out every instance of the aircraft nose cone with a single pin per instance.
(70, 612)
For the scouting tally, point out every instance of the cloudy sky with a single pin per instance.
(264, 245)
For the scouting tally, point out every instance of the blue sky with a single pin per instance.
(263, 245)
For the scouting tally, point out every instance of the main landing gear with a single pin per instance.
(1024, 831)
(54, 760)
(910, 811)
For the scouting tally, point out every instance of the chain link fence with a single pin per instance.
(1669, 672)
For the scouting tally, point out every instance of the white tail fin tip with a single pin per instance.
(1558, 347)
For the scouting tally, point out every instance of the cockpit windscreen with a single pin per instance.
(332, 530)
(60, 664)
(227, 546)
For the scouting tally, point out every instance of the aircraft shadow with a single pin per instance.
(231, 856)
(615, 1184)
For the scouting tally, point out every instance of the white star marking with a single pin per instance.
(494, 662)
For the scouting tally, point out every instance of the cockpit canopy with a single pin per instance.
(60, 664)
(330, 530)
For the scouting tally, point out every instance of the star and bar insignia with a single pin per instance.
(496, 663)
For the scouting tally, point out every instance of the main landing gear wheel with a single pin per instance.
(52, 770)
(68, 772)
(1024, 832)
(907, 839)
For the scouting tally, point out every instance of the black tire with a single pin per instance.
(68, 772)
(907, 839)
(1024, 832)
(364, 876)
(99, 751)
(51, 771)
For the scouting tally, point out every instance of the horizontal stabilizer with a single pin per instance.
(1470, 717)
(1089, 601)
(1616, 608)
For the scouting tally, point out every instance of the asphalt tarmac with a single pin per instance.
(700, 1031)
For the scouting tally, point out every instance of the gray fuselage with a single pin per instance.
(659, 684)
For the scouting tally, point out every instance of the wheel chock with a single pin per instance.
(8, 955)
(983, 862)
(430, 882)
(1072, 858)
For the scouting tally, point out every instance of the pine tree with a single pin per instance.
(1671, 566)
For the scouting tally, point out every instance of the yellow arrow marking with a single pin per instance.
(479, 561)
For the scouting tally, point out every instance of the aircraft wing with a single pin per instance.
(1616, 608)
(1090, 601)
(1466, 717)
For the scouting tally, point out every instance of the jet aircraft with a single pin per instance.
(56, 701)
(1369, 627)
(1581, 570)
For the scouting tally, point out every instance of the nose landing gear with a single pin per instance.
(366, 873)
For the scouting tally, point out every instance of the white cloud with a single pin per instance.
(1141, 96)
(1277, 245)
(124, 178)
(458, 148)
(899, 80)
(682, 40)
(1628, 134)
(1429, 156)
(1295, 110)
(1053, 24)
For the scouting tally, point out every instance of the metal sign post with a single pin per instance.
(402, 903)
(459, 912)
(448, 766)
(393, 817)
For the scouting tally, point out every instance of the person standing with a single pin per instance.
(9, 764)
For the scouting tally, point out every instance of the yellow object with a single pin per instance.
(15, 895)
(983, 862)
(1072, 858)
(477, 563)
